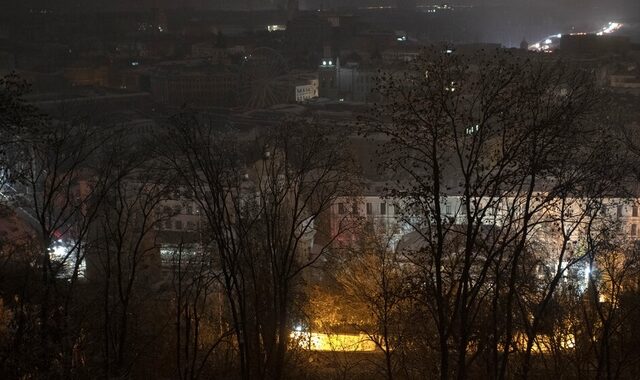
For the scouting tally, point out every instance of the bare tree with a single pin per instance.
(261, 199)
(202, 332)
(19, 123)
(372, 275)
(612, 278)
(63, 174)
(480, 144)
(122, 244)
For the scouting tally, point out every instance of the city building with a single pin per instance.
(198, 84)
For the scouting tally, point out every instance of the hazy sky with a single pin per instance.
(214, 3)
(592, 10)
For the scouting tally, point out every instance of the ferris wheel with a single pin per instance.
(263, 79)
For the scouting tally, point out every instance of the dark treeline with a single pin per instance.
(502, 245)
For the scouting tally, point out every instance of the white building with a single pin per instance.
(307, 91)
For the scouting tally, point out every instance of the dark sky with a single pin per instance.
(602, 4)
(569, 12)
(503, 21)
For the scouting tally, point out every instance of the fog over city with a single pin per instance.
(319, 189)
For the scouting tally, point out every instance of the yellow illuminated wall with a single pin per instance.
(315, 341)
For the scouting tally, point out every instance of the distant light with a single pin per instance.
(324, 63)
(559, 35)
(472, 130)
(587, 274)
(135, 63)
(275, 28)
(298, 328)
(330, 63)
(548, 41)
(314, 341)
(59, 252)
(610, 28)
(448, 51)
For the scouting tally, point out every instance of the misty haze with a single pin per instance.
(319, 189)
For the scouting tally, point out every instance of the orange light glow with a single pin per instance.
(314, 341)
